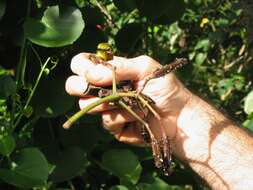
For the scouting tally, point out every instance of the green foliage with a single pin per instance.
(2, 8)
(7, 145)
(29, 169)
(59, 26)
(37, 42)
(122, 163)
(248, 104)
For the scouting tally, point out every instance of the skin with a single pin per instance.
(219, 151)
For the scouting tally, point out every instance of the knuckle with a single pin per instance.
(146, 59)
(106, 119)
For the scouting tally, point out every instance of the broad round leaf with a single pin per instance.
(2, 8)
(71, 162)
(129, 38)
(59, 26)
(122, 163)
(125, 5)
(169, 11)
(7, 86)
(31, 169)
(248, 104)
(51, 99)
(7, 145)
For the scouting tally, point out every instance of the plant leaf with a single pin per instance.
(72, 162)
(7, 86)
(31, 169)
(59, 26)
(122, 163)
(7, 145)
(54, 101)
(248, 104)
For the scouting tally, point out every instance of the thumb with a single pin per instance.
(134, 69)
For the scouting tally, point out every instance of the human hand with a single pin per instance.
(167, 92)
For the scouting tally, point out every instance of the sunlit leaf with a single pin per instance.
(59, 26)
(248, 124)
(200, 58)
(248, 104)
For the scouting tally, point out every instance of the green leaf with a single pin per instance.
(125, 5)
(30, 169)
(119, 187)
(2, 8)
(156, 183)
(248, 104)
(7, 86)
(71, 163)
(53, 101)
(122, 163)
(203, 44)
(200, 58)
(7, 145)
(85, 135)
(28, 111)
(129, 38)
(248, 124)
(59, 26)
(81, 3)
(169, 11)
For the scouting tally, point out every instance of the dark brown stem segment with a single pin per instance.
(178, 63)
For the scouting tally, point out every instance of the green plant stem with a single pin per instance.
(145, 103)
(126, 107)
(32, 92)
(22, 63)
(30, 123)
(110, 98)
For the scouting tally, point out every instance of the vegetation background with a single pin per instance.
(38, 38)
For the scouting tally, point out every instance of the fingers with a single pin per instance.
(118, 116)
(126, 69)
(130, 135)
(81, 63)
(76, 85)
(115, 122)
